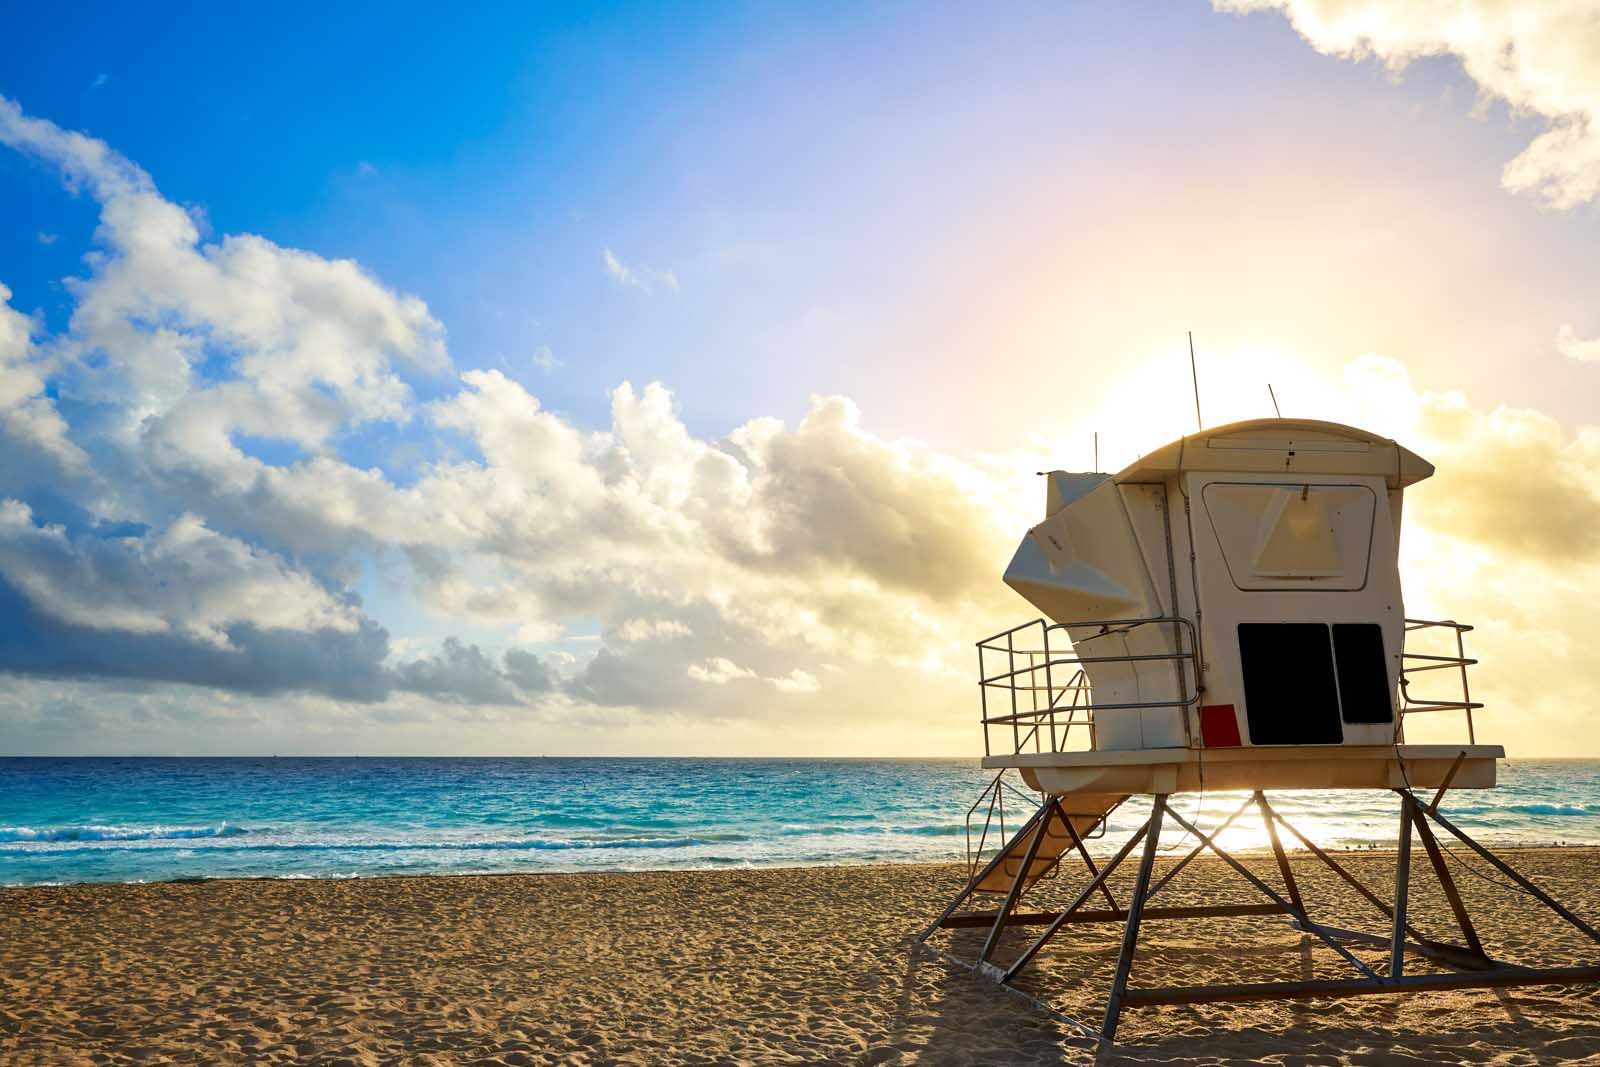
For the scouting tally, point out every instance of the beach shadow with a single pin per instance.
(1509, 1005)
(1332, 1040)
(949, 1014)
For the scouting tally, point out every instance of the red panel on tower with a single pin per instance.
(1219, 726)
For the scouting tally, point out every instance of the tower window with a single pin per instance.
(1289, 691)
(1363, 672)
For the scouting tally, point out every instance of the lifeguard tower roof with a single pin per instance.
(1278, 446)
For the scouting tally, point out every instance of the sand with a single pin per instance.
(737, 967)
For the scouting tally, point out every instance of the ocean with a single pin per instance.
(149, 819)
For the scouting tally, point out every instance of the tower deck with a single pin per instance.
(1188, 770)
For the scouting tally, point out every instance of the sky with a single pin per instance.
(649, 380)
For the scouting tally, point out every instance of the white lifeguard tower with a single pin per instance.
(1226, 615)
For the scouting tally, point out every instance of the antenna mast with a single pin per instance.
(1199, 423)
(1274, 397)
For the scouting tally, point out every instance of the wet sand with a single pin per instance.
(739, 967)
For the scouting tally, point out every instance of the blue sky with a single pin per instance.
(989, 231)
(831, 184)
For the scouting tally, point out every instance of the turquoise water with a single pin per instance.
(73, 820)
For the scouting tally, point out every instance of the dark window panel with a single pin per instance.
(1363, 672)
(1289, 695)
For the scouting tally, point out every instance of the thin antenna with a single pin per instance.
(1199, 422)
(1097, 450)
(1274, 397)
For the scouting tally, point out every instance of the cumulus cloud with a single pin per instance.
(809, 572)
(193, 343)
(175, 350)
(719, 670)
(175, 551)
(343, 664)
(1542, 59)
(652, 629)
(33, 435)
(1569, 344)
(183, 579)
(180, 352)
(643, 279)
(528, 672)
(797, 681)
(823, 537)
(465, 674)
(1513, 482)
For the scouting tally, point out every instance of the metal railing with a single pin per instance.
(994, 818)
(1429, 662)
(1032, 697)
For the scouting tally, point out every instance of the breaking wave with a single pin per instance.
(131, 820)
(1549, 809)
(119, 833)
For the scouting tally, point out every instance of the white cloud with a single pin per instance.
(310, 343)
(33, 435)
(183, 348)
(1513, 483)
(463, 673)
(1569, 344)
(184, 578)
(764, 550)
(1542, 58)
(46, 238)
(644, 279)
(652, 629)
(820, 535)
(719, 670)
(818, 560)
(797, 681)
(619, 274)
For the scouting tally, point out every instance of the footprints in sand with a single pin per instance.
(733, 967)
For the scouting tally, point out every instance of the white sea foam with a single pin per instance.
(118, 833)
(70, 821)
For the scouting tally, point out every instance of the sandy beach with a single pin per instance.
(728, 967)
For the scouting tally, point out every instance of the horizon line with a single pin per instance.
(546, 756)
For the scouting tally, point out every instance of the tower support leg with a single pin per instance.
(1284, 870)
(1130, 930)
(1078, 902)
(1441, 870)
(1506, 869)
(1474, 968)
(1402, 886)
(1094, 872)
